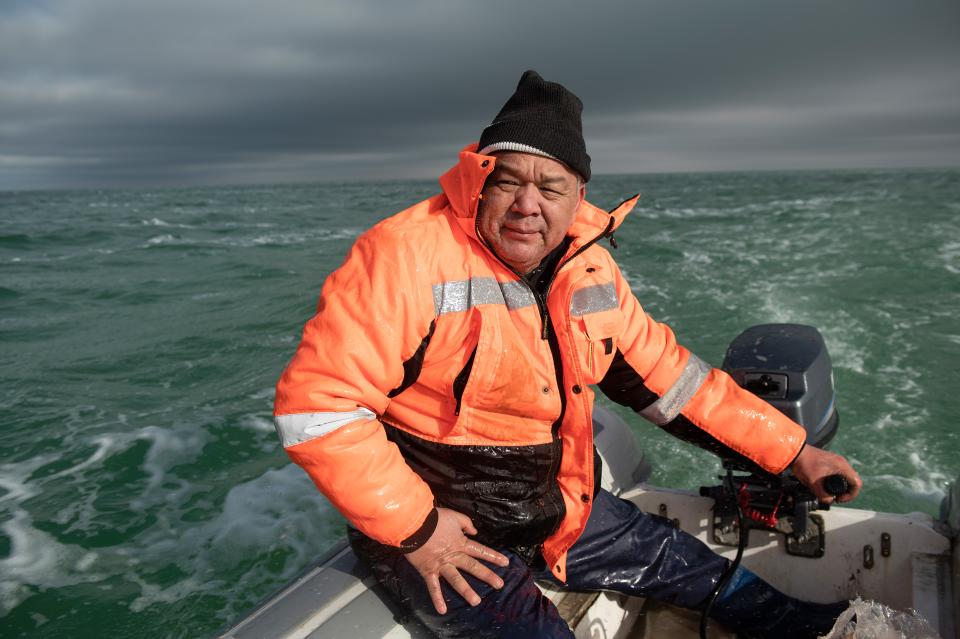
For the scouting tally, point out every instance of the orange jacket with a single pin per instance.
(418, 295)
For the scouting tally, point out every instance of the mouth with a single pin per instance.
(519, 232)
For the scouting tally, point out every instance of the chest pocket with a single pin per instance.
(598, 339)
(504, 375)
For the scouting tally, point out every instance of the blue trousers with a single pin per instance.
(622, 549)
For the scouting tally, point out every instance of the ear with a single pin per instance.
(582, 192)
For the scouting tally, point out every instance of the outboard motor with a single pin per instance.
(788, 366)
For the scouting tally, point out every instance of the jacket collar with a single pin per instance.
(463, 183)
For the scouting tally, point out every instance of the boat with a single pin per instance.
(809, 550)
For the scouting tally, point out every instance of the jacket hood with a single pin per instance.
(464, 181)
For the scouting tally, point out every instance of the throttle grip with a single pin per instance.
(836, 485)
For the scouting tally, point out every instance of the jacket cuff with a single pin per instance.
(419, 538)
(795, 458)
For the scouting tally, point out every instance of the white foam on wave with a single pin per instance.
(775, 302)
(819, 205)
(902, 416)
(168, 448)
(342, 234)
(905, 389)
(13, 488)
(37, 559)
(162, 240)
(884, 422)
(950, 254)
(778, 302)
(905, 395)
(264, 393)
(258, 423)
(155, 221)
(199, 297)
(697, 257)
(151, 594)
(80, 513)
(685, 213)
(645, 291)
(279, 509)
(843, 333)
(270, 239)
(285, 239)
(281, 504)
(918, 481)
(250, 241)
(104, 444)
(928, 488)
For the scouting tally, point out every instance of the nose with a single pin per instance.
(526, 201)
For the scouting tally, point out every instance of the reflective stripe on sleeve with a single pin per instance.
(594, 299)
(300, 427)
(461, 295)
(665, 410)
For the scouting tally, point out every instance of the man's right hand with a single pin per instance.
(812, 467)
(447, 552)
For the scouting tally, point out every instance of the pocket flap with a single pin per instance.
(604, 324)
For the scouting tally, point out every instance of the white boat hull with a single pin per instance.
(917, 568)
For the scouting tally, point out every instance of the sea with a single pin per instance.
(143, 491)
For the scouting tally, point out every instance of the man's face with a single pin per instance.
(528, 204)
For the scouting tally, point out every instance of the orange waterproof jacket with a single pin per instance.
(424, 335)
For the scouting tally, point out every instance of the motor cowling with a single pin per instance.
(788, 366)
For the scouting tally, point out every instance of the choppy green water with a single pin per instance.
(142, 489)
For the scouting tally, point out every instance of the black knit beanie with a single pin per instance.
(542, 118)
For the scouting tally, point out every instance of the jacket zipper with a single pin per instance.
(552, 341)
(563, 263)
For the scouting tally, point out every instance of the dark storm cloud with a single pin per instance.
(107, 92)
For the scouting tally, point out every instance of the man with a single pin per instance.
(440, 398)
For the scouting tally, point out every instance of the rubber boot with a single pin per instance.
(754, 609)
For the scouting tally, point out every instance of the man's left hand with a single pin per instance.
(448, 552)
(813, 465)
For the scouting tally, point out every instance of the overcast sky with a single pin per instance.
(121, 92)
